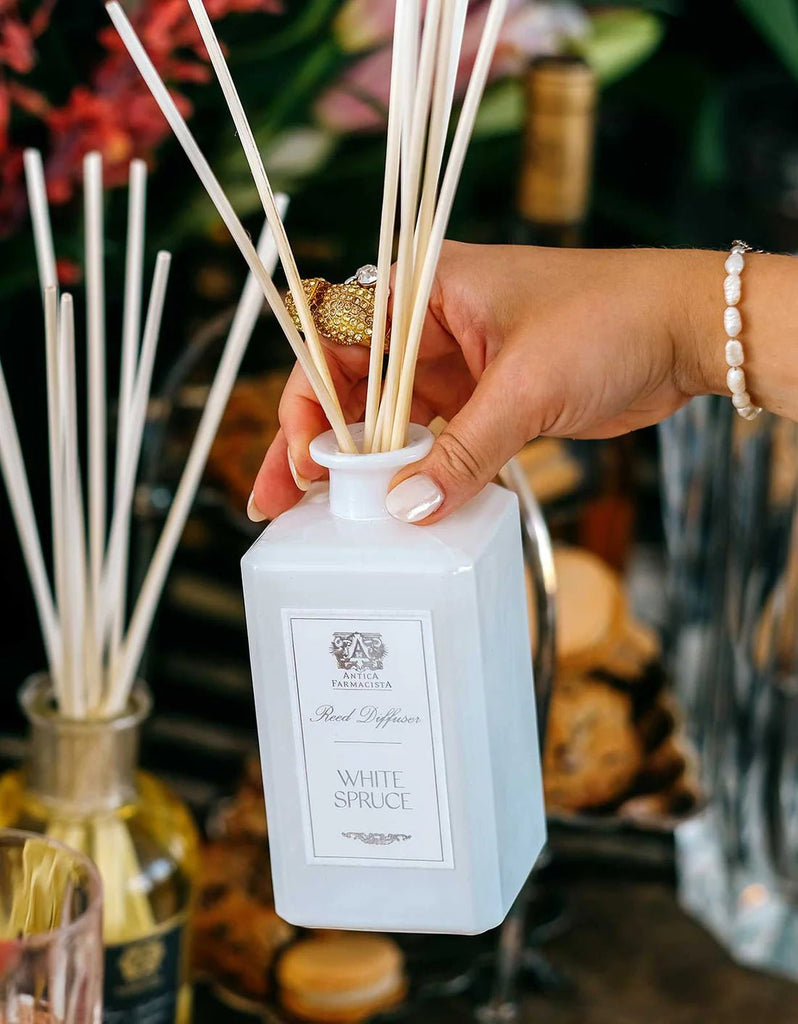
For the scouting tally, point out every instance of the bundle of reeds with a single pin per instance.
(420, 182)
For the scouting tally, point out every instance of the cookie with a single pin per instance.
(551, 470)
(253, 774)
(674, 802)
(248, 427)
(235, 864)
(632, 651)
(244, 817)
(590, 608)
(662, 766)
(341, 979)
(593, 751)
(235, 940)
(236, 929)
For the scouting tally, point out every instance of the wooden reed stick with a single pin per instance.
(462, 136)
(55, 449)
(450, 43)
(262, 184)
(48, 281)
(131, 336)
(16, 480)
(115, 576)
(131, 310)
(246, 316)
(40, 215)
(97, 421)
(403, 277)
(390, 192)
(234, 225)
(74, 612)
(412, 163)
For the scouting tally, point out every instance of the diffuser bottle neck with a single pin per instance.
(82, 767)
(359, 483)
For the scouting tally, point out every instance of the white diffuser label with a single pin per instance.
(369, 745)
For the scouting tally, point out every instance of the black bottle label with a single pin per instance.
(142, 978)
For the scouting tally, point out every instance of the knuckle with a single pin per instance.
(458, 458)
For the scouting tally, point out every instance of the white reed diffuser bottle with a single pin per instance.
(396, 712)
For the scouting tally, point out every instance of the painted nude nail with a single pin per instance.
(414, 499)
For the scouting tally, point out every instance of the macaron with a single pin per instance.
(341, 979)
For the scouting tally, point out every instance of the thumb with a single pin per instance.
(487, 432)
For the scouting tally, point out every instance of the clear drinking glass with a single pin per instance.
(51, 954)
(731, 511)
(82, 784)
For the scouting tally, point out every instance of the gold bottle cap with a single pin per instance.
(558, 143)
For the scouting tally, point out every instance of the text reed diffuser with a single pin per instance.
(391, 663)
(395, 704)
(81, 783)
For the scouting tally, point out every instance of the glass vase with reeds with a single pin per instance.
(81, 783)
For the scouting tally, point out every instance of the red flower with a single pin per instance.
(68, 272)
(17, 37)
(88, 121)
(115, 113)
(29, 100)
(12, 193)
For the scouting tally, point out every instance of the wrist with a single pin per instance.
(769, 312)
(696, 324)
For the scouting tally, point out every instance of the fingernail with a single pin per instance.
(302, 482)
(253, 511)
(414, 499)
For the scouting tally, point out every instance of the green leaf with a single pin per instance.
(502, 110)
(777, 20)
(709, 151)
(618, 41)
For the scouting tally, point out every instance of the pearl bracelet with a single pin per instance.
(732, 322)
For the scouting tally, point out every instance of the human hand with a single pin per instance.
(518, 342)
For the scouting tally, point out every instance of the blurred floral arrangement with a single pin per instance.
(311, 72)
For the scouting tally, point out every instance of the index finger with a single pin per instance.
(301, 416)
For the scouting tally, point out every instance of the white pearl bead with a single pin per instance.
(731, 289)
(734, 352)
(741, 401)
(734, 263)
(732, 321)
(750, 413)
(735, 379)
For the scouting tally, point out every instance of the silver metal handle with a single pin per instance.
(502, 1007)
(539, 556)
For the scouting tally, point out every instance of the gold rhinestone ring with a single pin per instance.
(344, 313)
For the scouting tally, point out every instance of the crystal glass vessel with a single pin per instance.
(395, 703)
(51, 955)
(731, 503)
(81, 785)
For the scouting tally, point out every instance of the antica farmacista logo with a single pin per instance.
(358, 651)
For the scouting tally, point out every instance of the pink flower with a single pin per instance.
(358, 101)
(530, 30)
(363, 24)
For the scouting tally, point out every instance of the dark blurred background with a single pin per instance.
(697, 144)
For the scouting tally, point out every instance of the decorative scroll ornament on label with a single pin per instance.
(377, 838)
